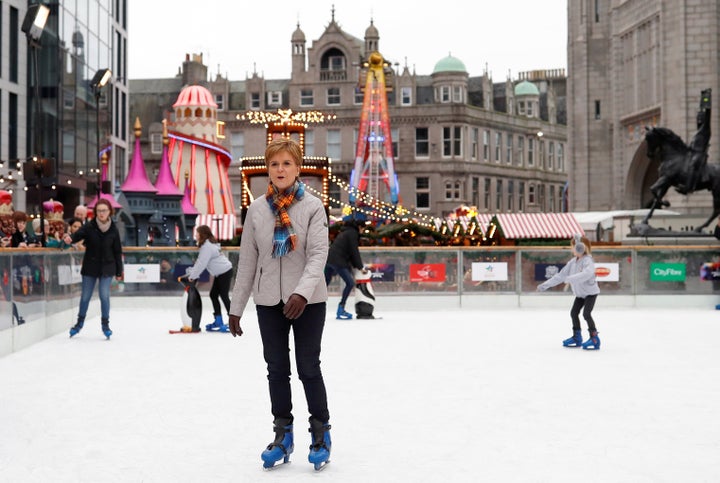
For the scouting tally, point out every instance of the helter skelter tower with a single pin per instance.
(374, 170)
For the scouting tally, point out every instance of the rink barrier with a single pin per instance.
(44, 284)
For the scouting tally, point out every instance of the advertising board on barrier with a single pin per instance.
(607, 272)
(381, 272)
(667, 272)
(486, 272)
(710, 271)
(427, 272)
(142, 273)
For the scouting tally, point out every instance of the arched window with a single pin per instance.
(333, 65)
(198, 112)
(208, 113)
(178, 114)
(188, 112)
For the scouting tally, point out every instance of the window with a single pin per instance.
(475, 192)
(529, 109)
(561, 158)
(13, 126)
(498, 146)
(521, 196)
(309, 143)
(531, 152)
(541, 196)
(68, 99)
(237, 145)
(509, 149)
(486, 193)
(334, 195)
(531, 194)
(13, 50)
(306, 97)
(359, 96)
(498, 195)
(336, 62)
(552, 198)
(453, 190)
(452, 141)
(511, 198)
(521, 108)
(445, 94)
(541, 160)
(333, 96)
(406, 96)
(274, 98)
(156, 143)
(395, 135)
(255, 100)
(551, 155)
(474, 145)
(422, 142)
(486, 145)
(422, 193)
(220, 101)
(521, 151)
(597, 109)
(334, 144)
(457, 94)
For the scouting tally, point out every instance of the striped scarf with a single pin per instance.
(284, 238)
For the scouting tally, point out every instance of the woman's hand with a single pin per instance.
(234, 325)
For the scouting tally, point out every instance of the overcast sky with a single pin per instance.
(234, 36)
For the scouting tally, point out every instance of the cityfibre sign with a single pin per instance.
(667, 272)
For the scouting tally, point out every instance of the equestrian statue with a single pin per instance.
(682, 166)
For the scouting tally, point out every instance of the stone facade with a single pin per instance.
(636, 63)
(458, 139)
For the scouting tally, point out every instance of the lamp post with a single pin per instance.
(33, 26)
(100, 80)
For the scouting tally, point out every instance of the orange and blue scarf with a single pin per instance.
(284, 237)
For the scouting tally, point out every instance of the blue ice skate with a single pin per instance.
(106, 328)
(321, 444)
(593, 343)
(217, 325)
(75, 329)
(282, 447)
(342, 314)
(575, 340)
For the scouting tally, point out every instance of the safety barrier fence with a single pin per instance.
(42, 286)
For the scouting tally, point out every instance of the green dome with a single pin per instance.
(449, 64)
(526, 88)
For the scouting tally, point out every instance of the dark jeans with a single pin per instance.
(345, 274)
(221, 290)
(587, 304)
(307, 332)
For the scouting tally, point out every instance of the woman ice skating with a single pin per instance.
(343, 256)
(579, 272)
(282, 257)
(101, 261)
(212, 258)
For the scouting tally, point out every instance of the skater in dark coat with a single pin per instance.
(343, 256)
(102, 260)
(283, 253)
(579, 272)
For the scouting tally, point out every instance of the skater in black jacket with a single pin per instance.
(102, 260)
(343, 255)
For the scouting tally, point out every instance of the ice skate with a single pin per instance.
(217, 325)
(282, 447)
(342, 314)
(106, 328)
(575, 340)
(75, 329)
(593, 343)
(320, 444)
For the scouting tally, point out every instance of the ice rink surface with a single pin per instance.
(417, 396)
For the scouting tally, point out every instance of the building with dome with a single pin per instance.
(458, 138)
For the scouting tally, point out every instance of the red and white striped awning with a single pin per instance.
(539, 225)
(222, 226)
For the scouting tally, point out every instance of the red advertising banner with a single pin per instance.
(427, 272)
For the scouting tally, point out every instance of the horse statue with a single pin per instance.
(683, 166)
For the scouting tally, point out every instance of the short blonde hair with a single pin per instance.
(284, 144)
